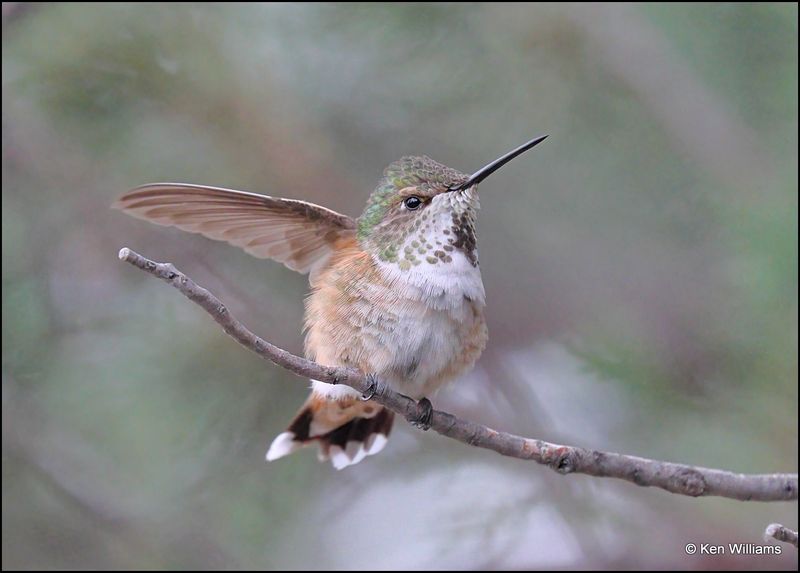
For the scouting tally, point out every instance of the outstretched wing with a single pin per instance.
(298, 234)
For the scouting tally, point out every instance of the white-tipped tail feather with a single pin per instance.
(346, 431)
(376, 443)
(356, 451)
(283, 445)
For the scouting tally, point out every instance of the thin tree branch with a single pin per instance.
(781, 533)
(676, 478)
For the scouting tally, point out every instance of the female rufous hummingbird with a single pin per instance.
(396, 293)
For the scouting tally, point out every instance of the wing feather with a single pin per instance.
(298, 234)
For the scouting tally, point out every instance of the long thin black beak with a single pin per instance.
(484, 172)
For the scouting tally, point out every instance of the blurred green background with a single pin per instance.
(640, 269)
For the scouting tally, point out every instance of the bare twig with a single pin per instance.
(676, 478)
(781, 533)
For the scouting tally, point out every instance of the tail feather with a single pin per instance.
(283, 445)
(346, 431)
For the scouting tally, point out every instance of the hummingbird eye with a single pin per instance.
(412, 203)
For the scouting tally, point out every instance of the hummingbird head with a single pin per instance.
(424, 213)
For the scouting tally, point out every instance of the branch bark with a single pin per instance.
(781, 533)
(676, 478)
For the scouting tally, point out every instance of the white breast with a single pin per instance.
(435, 312)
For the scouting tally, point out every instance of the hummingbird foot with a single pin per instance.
(372, 388)
(424, 415)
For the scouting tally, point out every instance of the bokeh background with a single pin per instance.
(640, 267)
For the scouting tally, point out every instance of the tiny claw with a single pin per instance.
(371, 389)
(423, 421)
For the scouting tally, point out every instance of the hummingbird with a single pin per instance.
(396, 293)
